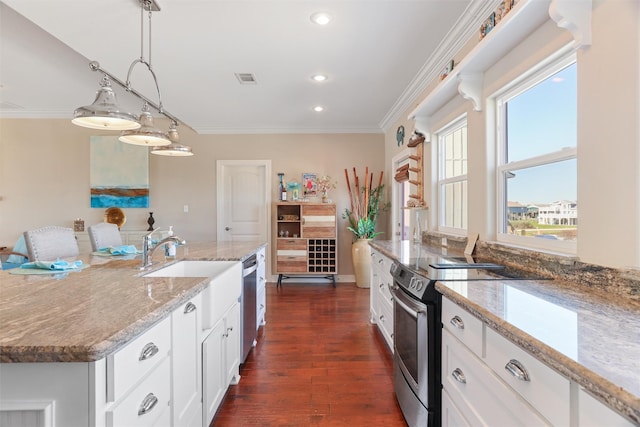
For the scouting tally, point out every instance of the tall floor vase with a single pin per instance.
(361, 256)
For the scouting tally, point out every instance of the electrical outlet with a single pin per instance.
(444, 241)
(186, 208)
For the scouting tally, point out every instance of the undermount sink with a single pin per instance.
(192, 269)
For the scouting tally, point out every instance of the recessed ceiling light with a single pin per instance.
(319, 77)
(318, 108)
(321, 18)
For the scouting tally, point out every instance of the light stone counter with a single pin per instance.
(587, 334)
(84, 316)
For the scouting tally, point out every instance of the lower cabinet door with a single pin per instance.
(232, 345)
(186, 372)
(213, 371)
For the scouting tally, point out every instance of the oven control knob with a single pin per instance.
(412, 283)
(419, 285)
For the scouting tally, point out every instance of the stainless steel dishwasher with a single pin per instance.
(248, 306)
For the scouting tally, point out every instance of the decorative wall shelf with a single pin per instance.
(526, 16)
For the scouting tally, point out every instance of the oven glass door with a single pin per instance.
(412, 339)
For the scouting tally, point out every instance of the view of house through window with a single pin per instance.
(538, 164)
(452, 177)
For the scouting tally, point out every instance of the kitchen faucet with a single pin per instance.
(148, 248)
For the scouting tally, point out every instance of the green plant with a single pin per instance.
(366, 203)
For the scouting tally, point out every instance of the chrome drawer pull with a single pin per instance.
(458, 375)
(457, 322)
(189, 308)
(148, 351)
(380, 261)
(147, 404)
(516, 369)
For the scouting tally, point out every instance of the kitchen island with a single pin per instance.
(71, 327)
(588, 336)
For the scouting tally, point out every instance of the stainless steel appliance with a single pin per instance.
(418, 329)
(248, 306)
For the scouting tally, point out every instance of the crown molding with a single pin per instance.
(465, 28)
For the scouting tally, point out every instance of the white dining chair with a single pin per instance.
(104, 235)
(50, 243)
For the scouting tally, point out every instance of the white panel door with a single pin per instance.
(244, 192)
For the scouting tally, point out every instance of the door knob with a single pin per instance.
(227, 228)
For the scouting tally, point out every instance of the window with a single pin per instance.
(452, 177)
(537, 164)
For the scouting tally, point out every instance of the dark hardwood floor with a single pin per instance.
(318, 362)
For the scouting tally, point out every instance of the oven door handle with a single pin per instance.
(399, 299)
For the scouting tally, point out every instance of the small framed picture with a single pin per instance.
(309, 184)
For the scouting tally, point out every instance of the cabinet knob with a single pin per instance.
(148, 403)
(189, 308)
(457, 322)
(458, 375)
(148, 351)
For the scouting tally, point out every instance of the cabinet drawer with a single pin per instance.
(148, 404)
(385, 292)
(291, 244)
(292, 264)
(129, 364)
(545, 389)
(463, 325)
(483, 398)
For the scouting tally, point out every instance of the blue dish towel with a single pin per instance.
(119, 250)
(58, 265)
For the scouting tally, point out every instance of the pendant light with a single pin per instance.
(175, 148)
(147, 134)
(104, 113)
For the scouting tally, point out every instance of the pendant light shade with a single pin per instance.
(148, 135)
(104, 113)
(175, 148)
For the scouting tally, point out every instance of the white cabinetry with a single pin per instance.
(221, 357)
(261, 288)
(474, 381)
(381, 304)
(488, 380)
(186, 364)
(221, 339)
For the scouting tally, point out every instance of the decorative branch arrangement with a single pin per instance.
(365, 204)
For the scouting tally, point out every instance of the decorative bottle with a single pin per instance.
(283, 189)
(170, 247)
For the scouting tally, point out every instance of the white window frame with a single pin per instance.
(453, 126)
(546, 69)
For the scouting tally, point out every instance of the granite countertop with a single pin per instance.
(84, 316)
(589, 336)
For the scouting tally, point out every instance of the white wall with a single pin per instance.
(44, 176)
(608, 133)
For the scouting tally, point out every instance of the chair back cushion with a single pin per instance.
(104, 235)
(51, 243)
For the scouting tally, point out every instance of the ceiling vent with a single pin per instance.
(246, 78)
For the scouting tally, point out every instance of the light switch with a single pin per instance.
(186, 208)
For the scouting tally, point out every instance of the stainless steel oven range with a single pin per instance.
(417, 329)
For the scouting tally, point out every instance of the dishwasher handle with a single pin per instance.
(249, 266)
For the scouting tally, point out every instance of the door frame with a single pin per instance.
(396, 202)
(220, 164)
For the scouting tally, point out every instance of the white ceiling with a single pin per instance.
(377, 54)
